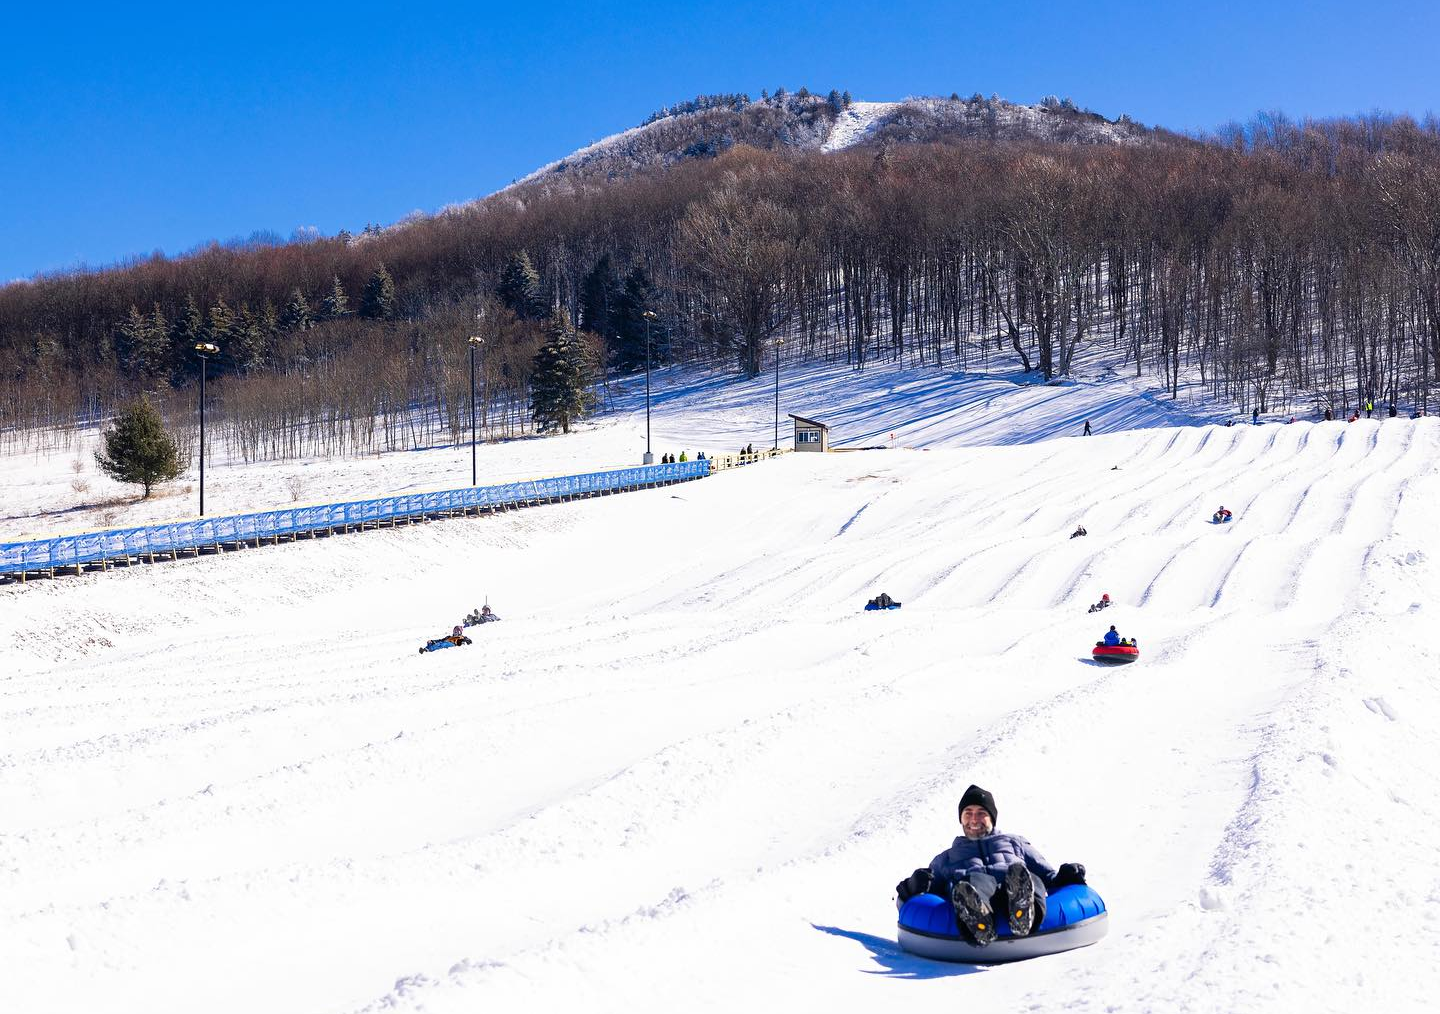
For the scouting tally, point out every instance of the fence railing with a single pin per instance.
(47, 556)
(719, 462)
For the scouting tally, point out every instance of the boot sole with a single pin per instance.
(972, 913)
(1020, 896)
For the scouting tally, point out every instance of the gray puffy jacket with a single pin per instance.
(993, 854)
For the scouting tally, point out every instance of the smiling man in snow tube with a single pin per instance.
(987, 878)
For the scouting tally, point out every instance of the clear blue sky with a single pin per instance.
(129, 128)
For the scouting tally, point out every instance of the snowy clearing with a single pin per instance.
(686, 770)
(692, 410)
(854, 122)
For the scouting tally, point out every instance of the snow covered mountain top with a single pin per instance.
(811, 123)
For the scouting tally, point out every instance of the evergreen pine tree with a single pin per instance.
(598, 293)
(628, 348)
(188, 329)
(336, 304)
(297, 315)
(133, 344)
(378, 300)
(520, 288)
(560, 376)
(222, 320)
(138, 450)
(246, 346)
(268, 321)
(159, 340)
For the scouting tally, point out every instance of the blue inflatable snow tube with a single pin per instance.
(872, 607)
(1075, 916)
(437, 645)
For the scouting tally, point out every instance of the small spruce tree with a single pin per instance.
(627, 351)
(141, 340)
(188, 328)
(560, 376)
(268, 321)
(297, 315)
(378, 300)
(247, 346)
(222, 319)
(519, 288)
(336, 304)
(598, 292)
(159, 339)
(138, 450)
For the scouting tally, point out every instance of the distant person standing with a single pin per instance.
(1369, 407)
(1392, 411)
(1087, 427)
(1255, 417)
(1329, 415)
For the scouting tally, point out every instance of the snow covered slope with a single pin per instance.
(685, 771)
(854, 122)
(693, 409)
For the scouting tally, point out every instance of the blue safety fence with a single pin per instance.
(43, 555)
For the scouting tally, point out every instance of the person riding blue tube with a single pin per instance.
(986, 873)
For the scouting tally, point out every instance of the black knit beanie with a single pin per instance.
(976, 796)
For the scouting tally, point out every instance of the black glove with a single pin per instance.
(1069, 873)
(917, 883)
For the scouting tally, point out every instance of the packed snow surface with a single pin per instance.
(686, 770)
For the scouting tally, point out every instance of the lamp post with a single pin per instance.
(778, 343)
(649, 315)
(475, 341)
(203, 350)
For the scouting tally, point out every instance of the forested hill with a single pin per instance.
(1274, 259)
(712, 124)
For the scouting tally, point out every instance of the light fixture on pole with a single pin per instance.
(778, 343)
(649, 315)
(475, 341)
(204, 350)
